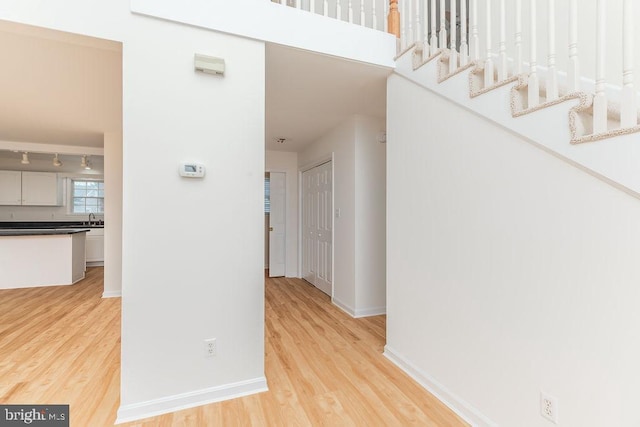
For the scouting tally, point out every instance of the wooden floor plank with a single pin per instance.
(324, 368)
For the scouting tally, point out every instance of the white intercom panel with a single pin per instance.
(192, 170)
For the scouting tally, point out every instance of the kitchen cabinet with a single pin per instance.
(30, 188)
(10, 188)
(40, 189)
(95, 246)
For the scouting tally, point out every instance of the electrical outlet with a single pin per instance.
(210, 347)
(549, 407)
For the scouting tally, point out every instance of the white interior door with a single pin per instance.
(277, 224)
(317, 226)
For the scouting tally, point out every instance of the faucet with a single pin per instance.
(94, 217)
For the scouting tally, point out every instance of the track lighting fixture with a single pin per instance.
(85, 163)
(25, 158)
(56, 161)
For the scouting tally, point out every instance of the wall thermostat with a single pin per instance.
(192, 170)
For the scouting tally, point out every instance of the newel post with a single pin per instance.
(394, 18)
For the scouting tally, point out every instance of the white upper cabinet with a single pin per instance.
(40, 189)
(10, 188)
(30, 188)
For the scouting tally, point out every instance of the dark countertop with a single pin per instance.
(40, 231)
(48, 224)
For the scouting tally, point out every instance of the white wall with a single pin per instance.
(359, 233)
(509, 270)
(204, 278)
(113, 214)
(191, 266)
(370, 194)
(295, 28)
(287, 162)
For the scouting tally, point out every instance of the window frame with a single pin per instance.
(71, 195)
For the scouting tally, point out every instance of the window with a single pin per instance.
(87, 196)
(267, 195)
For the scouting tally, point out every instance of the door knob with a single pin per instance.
(270, 228)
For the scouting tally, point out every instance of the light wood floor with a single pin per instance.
(62, 345)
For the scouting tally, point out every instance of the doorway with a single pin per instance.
(317, 227)
(275, 222)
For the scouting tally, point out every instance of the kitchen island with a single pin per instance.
(41, 257)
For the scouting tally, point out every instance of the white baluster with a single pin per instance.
(403, 20)
(325, 8)
(552, 73)
(464, 46)
(297, 4)
(362, 19)
(425, 27)
(385, 14)
(600, 99)
(453, 24)
(518, 38)
(409, 21)
(339, 10)
(533, 83)
(475, 40)
(443, 26)
(488, 62)
(573, 73)
(312, 6)
(433, 43)
(374, 18)
(629, 105)
(418, 34)
(351, 12)
(502, 44)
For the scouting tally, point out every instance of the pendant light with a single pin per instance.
(56, 161)
(25, 158)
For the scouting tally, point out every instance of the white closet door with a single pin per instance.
(309, 264)
(317, 216)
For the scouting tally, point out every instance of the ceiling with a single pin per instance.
(58, 88)
(65, 89)
(308, 94)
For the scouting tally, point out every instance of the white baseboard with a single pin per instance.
(344, 307)
(182, 401)
(360, 312)
(371, 311)
(462, 408)
(111, 294)
(95, 263)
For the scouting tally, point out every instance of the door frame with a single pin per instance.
(302, 169)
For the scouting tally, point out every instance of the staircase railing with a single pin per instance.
(504, 46)
(583, 60)
(367, 13)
